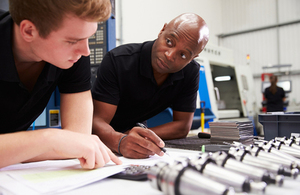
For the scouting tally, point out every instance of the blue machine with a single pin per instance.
(204, 96)
(167, 115)
(50, 117)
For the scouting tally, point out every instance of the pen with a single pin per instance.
(144, 126)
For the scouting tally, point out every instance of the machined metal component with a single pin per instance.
(296, 140)
(287, 149)
(179, 179)
(284, 157)
(229, 162)
(208, 167)
(243, 169)
(292, 141)
(246, 157)
(263, 154)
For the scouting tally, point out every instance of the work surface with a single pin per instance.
(119, 186)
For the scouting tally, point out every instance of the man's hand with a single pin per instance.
(141, 143)
(102, 157)
(51, 144)
(89, 149)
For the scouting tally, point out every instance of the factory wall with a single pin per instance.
(141, 20)
(268, 31)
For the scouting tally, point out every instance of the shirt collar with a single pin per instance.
(8, 71)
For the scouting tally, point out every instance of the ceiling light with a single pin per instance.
(223, 78)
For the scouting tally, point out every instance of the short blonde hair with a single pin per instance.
(47, 15)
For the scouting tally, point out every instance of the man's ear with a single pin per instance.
(196, 56)
(28, 30)
(161, 31)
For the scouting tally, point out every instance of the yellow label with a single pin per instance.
(54, 111)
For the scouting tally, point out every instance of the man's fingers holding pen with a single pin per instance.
(152, 136)
(153, 147)
(143, 141)
(149, 134)
(131, 149)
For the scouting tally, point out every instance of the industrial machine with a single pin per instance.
(230, 86)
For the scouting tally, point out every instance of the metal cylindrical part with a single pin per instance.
(177, 179)
(255, 173)
(294, 145)
(239, 182)
(271, 157)
(237, 166)
(270, 148)
(284, 155)
(247, 158)
(258, 187)
(155, 174)
(192, 182)
(273, 168)
(290, 150)
(209, 168)
(296, 140)
(229, 162)
(168, 181)
(280, 145)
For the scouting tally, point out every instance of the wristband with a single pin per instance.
(120, 144)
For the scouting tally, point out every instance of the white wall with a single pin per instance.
(272, 46)
(141, 20)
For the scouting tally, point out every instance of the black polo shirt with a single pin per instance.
(19, 107)
(125, 78)
(274, 101)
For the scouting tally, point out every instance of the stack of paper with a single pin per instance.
(61, 176)
(229, 131)
(51, 177)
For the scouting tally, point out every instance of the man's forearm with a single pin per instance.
(107, 134)
(172, 130)
(22, 146)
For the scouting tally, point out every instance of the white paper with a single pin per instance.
(50, 177)
(169, 157)
(54, 176)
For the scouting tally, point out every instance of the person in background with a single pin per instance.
(275, 96)
(137, 81)
(44, 44)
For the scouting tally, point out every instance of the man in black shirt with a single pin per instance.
(137, 81)
(43, 44)
(274, 95)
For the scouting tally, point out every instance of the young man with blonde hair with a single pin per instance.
(44, 44)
